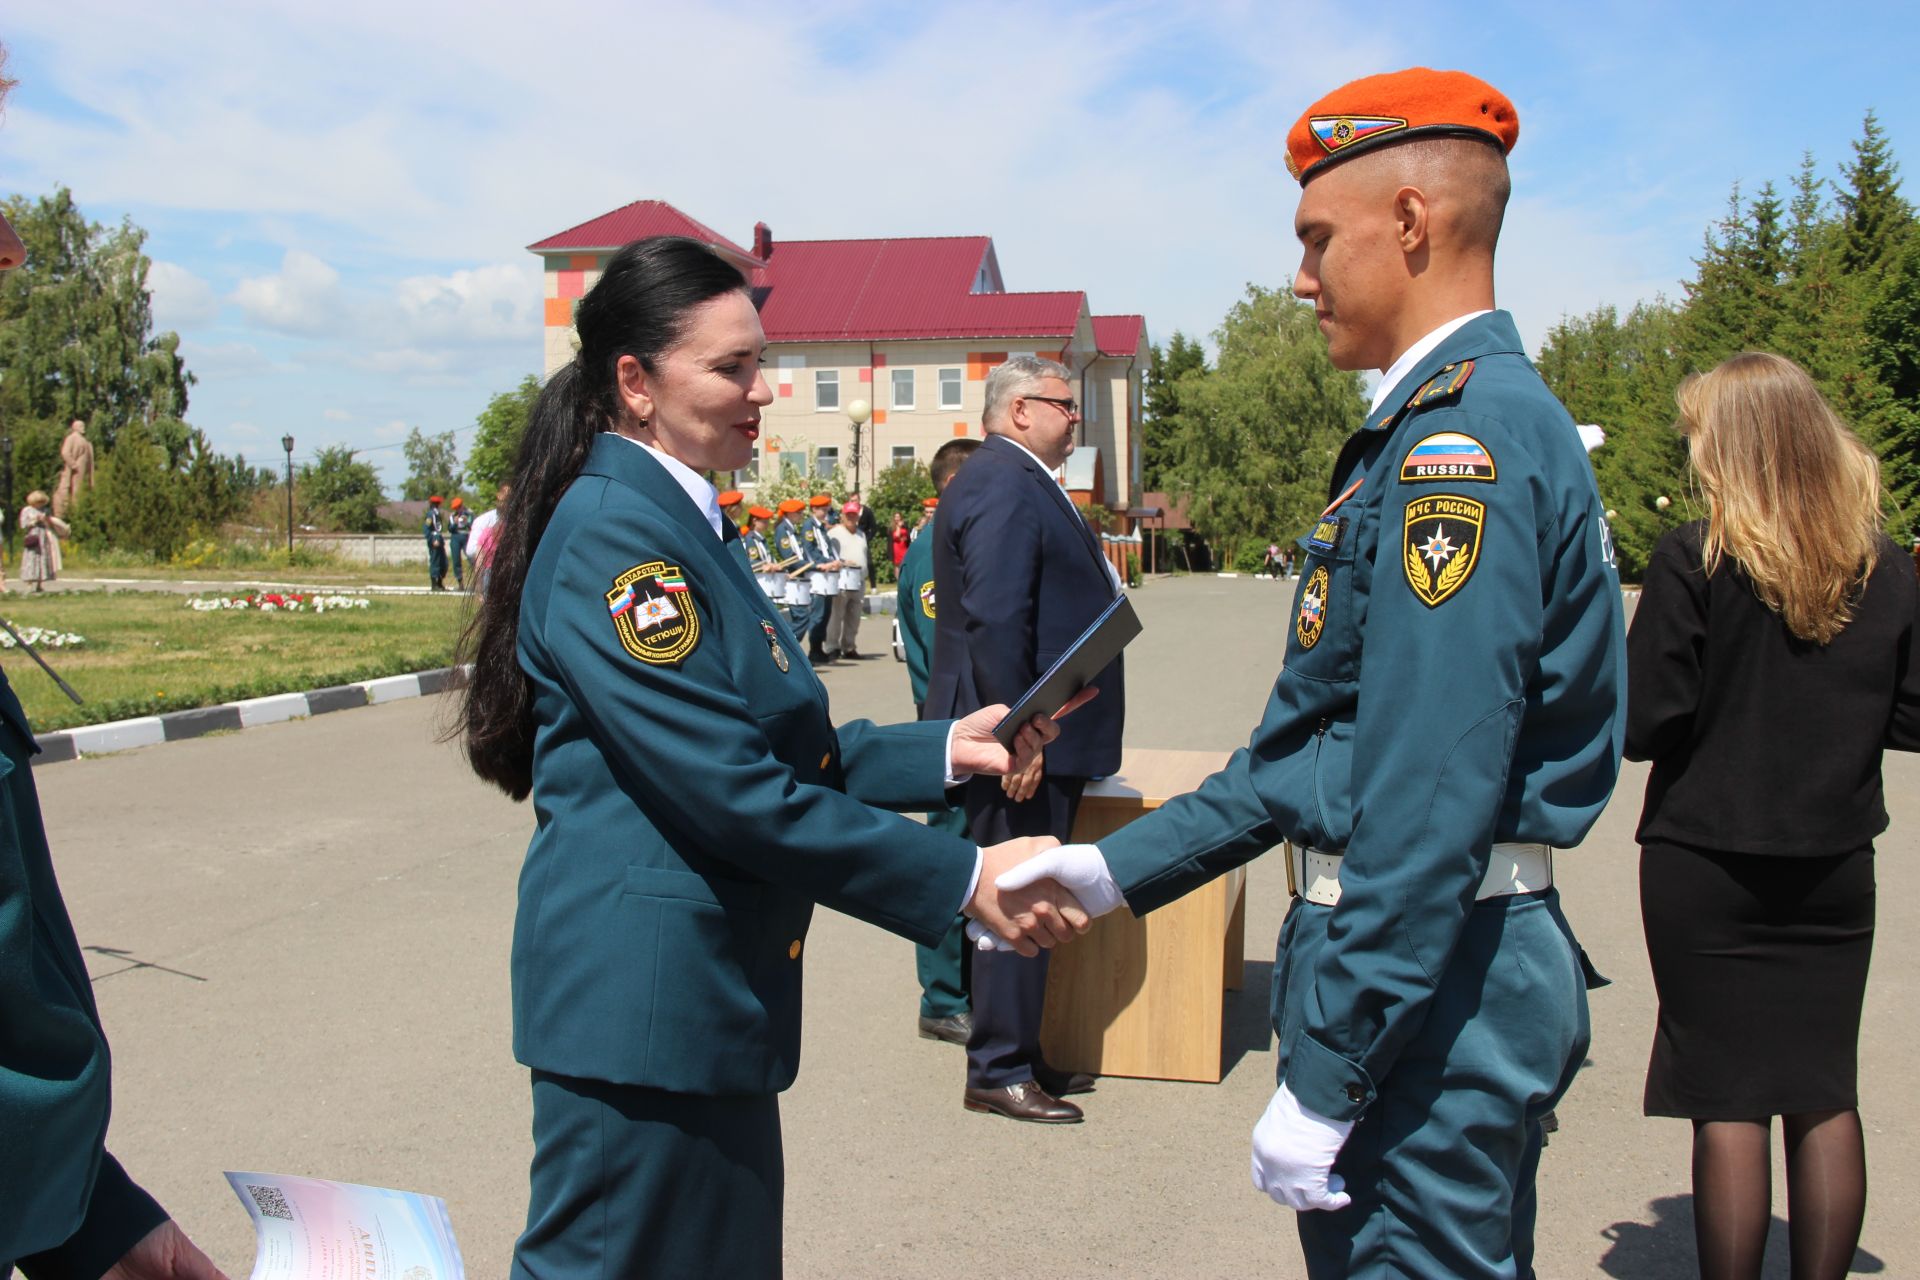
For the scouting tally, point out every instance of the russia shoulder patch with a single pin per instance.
(653, 613)
(1448, 456)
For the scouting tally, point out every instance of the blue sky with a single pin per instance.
(338, 198)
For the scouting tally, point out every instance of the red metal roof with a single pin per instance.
(1118, 335)
(632, 222)
(863, 290)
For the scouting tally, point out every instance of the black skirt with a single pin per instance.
(1760, 963)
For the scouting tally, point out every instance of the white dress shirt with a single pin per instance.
(1413, 355)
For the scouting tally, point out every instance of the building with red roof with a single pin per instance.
(909, 325)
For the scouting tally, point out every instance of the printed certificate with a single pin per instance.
(312, 1229)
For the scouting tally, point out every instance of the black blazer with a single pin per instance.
(1760, 742)
(1021, 577)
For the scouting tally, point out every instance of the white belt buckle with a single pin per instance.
(1314, 874)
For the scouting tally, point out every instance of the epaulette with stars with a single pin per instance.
(1443, 384)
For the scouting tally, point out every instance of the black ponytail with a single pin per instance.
(638, 308)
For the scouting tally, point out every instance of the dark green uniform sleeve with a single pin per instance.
(896, 766)
(739, 783)
(910, 607)
(1433, 743)
(119, 1215)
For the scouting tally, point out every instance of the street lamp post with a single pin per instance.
(858, 413)
(286, 442)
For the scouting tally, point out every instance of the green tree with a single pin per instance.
(902, 488)
(138, 501)
(1254, 439)
(76, 326)
(433, 466)
(338, 492)
(1161, 407)
(1873, 216)
(496, 444)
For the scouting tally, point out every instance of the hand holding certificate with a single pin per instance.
(1085, 659)
(312, 1229)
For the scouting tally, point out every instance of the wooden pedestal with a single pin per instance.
(1143, 997)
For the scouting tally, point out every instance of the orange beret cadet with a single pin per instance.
(819, 500)
(732, 498)
(929, 503)
(792, 505)
(760, 513)
(1400, 106)
(435, 499)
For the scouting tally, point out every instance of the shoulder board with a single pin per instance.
(1442, 385)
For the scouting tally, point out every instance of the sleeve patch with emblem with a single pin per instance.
(1442, 545)
(1313, 608)
(1447, 456)
(653, 613)
(926, 598)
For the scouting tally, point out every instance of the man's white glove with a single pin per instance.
(1293, 1154)
(1080, 868)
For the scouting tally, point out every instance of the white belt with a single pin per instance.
(1514, 868)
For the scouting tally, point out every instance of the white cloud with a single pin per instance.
(492, 304)
(181, 299)
(304, 298)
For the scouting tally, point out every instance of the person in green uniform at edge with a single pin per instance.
(68, 1211)
(459, 529)
(1451, 710)
(944, 1011)
(692, 797)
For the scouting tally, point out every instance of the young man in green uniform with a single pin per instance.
(68, 1211)
(944, 1012)
(1451, 711)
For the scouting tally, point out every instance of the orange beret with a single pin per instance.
(929, 503)
(791, 505)
(819, 500)
(732, 498)
(435, 499)
(760, 513)
(1399, 106)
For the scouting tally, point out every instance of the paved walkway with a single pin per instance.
(299, 938)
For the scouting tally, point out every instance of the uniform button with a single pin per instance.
(826, 759)
(793, 949)
(1355, 1093)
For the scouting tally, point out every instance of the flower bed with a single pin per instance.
(278, 602)
(42, 638)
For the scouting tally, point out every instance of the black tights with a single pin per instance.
(1733, 1194)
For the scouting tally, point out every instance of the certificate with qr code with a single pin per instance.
(313, 1229)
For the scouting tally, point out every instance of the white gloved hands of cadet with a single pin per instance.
(1080, 868)
(1293, 1154)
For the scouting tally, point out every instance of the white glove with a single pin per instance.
(1293, 1154)
(1078, 867)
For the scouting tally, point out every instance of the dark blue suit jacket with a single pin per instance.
(1020, 578)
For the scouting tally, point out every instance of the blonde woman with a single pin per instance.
(1768, 668)
(41, 532)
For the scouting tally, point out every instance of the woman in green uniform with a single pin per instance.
(692, 796)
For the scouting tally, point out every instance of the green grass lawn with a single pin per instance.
(148, 652)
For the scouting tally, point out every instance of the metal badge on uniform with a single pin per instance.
(1442, 545)
(653, 613)
(773, 641)
(1313, 608)
(1447, 456)
(1326, 535)
(926, 598)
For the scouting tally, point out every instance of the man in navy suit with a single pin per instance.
(1021, 577)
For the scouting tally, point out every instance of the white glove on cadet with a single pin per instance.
(1293, 1153)
(1079, 867)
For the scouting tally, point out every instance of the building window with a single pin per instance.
(950, 386)
(826, 388)
(793, 465)
(902, 388)
(903, 455)
(748, 475)
(825, 459)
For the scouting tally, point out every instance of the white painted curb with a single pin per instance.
(391, 689)
(118, 735)
(272, 709)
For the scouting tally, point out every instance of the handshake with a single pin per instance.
(1036, 892)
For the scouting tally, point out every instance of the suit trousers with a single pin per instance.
(1009, 989)
(1441, 1165)
(631, 1183)
(943, 969)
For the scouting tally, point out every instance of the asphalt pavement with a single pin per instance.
(299, 935)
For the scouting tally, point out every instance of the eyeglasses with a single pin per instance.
(1069, 407)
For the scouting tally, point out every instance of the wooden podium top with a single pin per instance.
(1149, 777)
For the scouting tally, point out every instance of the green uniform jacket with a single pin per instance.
(694, 801)
(66, 1206)
(915, 608)
(1455, 676)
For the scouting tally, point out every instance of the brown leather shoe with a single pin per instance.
(1023, 1101)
